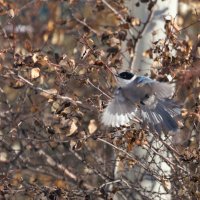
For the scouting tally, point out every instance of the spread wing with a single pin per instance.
(153, 99)
(160, 89)
(163, 89)
(158, 110)
(119, 111)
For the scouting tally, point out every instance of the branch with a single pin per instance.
(131, 157)
(62, 168)
(85, 24)
(88, 80)
(120, 16)
(140, 34)
(71, 100)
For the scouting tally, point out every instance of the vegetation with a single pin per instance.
(57, 60)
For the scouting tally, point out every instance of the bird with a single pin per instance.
(143, 98)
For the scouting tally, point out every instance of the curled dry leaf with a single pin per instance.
(76, 145)
(35, 73)
(73, 127)
(55, 106)
(18, 84)
(11, 13)
(92, 127)
(148, 53)
(166, 184)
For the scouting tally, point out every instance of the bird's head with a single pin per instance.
(125, 78)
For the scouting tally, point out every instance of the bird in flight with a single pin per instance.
(143, 98)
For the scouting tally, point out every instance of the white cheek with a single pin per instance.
(122, 82)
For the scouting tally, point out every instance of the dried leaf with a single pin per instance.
(114, 41)
(11, 13)
(3, 156)
(148, 53)
(73, 128)
(92, 127)
(18, 84)
(76, 145)
(125, 26)
(135, 22)
(28, 46)
(61, 184)
(35, 73)
(50, 25)
(84, 52)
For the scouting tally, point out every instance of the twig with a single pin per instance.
(115, 11)
(71, 100)
(62, 168)
(120, 16)
(186, 27)
(96, 171)
(85, 24)
(140, 35)
(53, 163)
(164, 158)
(98, 88)
(130, 156)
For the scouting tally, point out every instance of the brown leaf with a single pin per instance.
(18, 84)
(35, 73)
(73, 127)
(92, 127)
(11, 13)
(125, 26)
(135, 22)
(28, 46)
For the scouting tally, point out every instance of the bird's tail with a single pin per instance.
(162, 117)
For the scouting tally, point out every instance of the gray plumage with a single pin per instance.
(142, 97)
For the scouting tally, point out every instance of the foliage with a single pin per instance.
(56, 76)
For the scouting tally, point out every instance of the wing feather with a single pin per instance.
(118, 112)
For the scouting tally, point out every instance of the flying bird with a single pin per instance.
(143, 98)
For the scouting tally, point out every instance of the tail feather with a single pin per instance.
(168, 120)
(161, 118)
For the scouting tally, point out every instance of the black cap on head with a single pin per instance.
(126, 75)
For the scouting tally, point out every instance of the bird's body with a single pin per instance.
(144, 98)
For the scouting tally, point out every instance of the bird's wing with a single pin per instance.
(119, 111)
(163, 89)
(160, 89)
(157, 110)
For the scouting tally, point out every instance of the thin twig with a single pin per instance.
(62, 168)
(71, 100)
(96, 171)
(120, 16)
(85, 24)
(98, 89)
(140, 35)
(129, 155)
